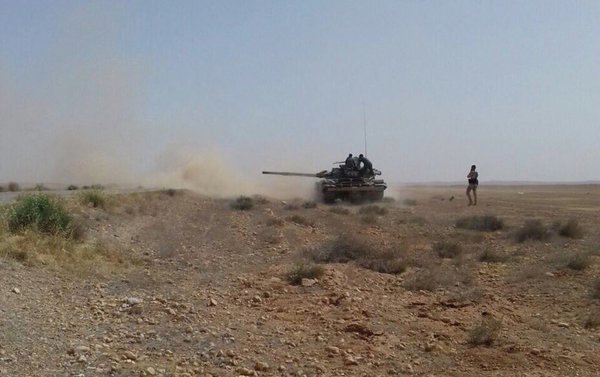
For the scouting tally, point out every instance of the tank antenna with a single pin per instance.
(365, 126)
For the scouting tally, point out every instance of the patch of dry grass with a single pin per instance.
(592, 321)
(487, 223)
(361, 251)
(339, 210)
(369, 219)
(435, 276)
(93, 198)
(309, 204)
(275, 221)
(447, 249)
(303, 270)
(242, 203)
(409, 202)
(571, 229)
(595, 292)
(485, 333)
(490, 255)
(578, 261)
(373, 209)
(532, 230)
(300, 220)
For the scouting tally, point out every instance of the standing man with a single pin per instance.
(350, 165)
(473, 183)
(367, 167)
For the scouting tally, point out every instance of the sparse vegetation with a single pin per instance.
(487, 223)
(432, 277)
(93, 198)
(409, 202)
(339, 210)
(571, 229)
(13, 187)
(169, 192)
(490, 255)
(2, 189)
(369, 219)
(486, 332)
(447, 249)
(42, 213)
(388, 199)
(275, 221)
(260, 200)
(531, 272)
(243, 203)
(348, 248)
(592, 321)
(533, 230)
(309, 204)
(578, 261)
(291, 207)
(596, 289)
(300, 220)
(373, 210)
(303, 270)
(40, 187)
(72, 188)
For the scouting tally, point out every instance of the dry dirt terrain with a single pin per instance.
(175, 284)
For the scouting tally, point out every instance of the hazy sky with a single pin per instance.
(512, 86)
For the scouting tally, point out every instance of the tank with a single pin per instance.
(345, 184)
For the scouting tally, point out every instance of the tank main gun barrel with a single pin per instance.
(291, 174)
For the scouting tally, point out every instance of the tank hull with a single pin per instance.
(352, 191)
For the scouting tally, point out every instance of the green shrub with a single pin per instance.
(243, 203)
(303, 271)
(533, 230)
(373, 210)
(487, 223)
(571, 229)
(486, 332)
(94, 198)
(447, 249)
(42, 213)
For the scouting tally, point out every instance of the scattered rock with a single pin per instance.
(16, 290)
(212, 302)
(151, 371)
(134, 301)
(261, 366)
(309, 282)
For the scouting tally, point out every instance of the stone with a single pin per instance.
(309, 282)
(261, 366)
(130, 355)
(151, 371)
(212, 302)
(16, 290)
(134, 301)
(332, 349)
(245, 371)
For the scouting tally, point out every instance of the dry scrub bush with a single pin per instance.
(13, 187)
(72, 188)
(339, 210)
(369, 219)
(490, 255)
(487, 223)
(271, 236)
(578, 261)
(291, 207)
(309, 204)
(571, 229)
(435, 276)
(373, 210)
(275, 221)
(596, 289)
(300, 220)
(93, 198)
(531, 272)
(533, 230)
(169, 192)
(409, 202)
(485, 333)
(592, 321)
(243, 203)
(303, 271)
(349, 248)
(447, 249)
(260, 200)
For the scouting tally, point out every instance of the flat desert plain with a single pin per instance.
(171, 283)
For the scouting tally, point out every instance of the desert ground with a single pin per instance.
(172, 283)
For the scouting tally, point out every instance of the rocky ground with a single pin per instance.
(196, 288)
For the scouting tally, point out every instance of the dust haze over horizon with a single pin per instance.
(208, 94)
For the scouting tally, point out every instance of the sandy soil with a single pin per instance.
(204, 293)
